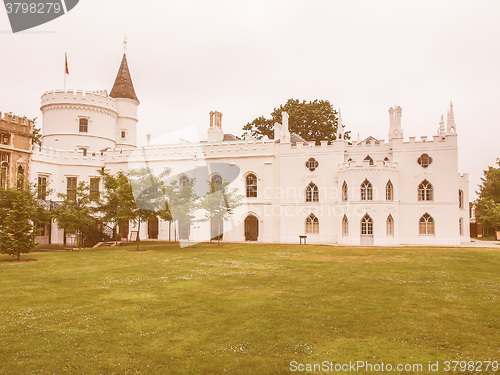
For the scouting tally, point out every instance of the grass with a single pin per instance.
(245, 309)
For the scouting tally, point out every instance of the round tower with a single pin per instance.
(124, 94)
(79, 120)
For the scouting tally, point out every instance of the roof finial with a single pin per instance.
(125, 44)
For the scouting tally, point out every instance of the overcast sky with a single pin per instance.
(244, 58)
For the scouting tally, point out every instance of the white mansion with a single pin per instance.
(348, 193)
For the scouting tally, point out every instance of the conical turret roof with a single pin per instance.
(123, 87)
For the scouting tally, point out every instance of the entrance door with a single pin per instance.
(153, 228)
(251, 228)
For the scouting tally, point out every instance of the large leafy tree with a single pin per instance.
(314, 121)
(488, 202)
(19, 211)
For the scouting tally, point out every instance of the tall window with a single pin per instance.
(369, 159)
(5, 139)
(312, 224)
(183, 180)
(20, 177)
(42, 187)
(345, 226)
(345, 191)
(84, 125)
(461, 226)
(123, 134)
(389, 191)
(367, 225)
(251, 187)
(312, 193)
(94, 187)
(71, 188)
(4, 171)
(460, 199)
(426, 225)
(389, 224)
(216, 180)
(425, 191)
(366, 191)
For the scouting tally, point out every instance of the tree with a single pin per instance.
(488, 202)
(219, 204)
(314, 121)
(149, 196)
(77, 213)
(19, 211)
(116, 204)
(182, 200)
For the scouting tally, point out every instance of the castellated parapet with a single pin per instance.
(75, 120)
(98, 99)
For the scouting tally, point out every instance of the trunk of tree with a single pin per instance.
(169, 230)
(116, 234)
(138, 230)
(19, 256)
(219, 234)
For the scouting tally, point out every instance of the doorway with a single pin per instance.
(251, 228)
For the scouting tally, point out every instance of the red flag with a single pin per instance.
(66, 59)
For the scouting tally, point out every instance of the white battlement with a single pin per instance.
(95, 98)
(378, 164)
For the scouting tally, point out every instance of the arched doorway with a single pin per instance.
(251, 228)
(153, 228)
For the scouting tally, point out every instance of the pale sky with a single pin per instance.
(244, 58)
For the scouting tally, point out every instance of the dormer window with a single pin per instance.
(83, 125)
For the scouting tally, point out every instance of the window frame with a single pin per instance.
(366, 190)
(312, 224)
(425, 191)
(367, 225)
(312, 193)
(345, 192)
(389, 226)
(251, 185)
(426, 225)
(70, 188)
(83, 127)
(345, 226)
(389, 191)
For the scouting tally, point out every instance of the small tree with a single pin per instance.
(182, 200)
(219, 204)
(116, 204)
(148, 193)
(77, 213)
(19, 210)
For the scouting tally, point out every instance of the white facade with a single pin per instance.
(367, 192)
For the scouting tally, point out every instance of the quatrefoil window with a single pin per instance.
(312, 164)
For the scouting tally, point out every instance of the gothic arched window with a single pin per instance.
(367, 225)
(425, 191)
(366, 191)
(312, 224)
(345, 192)
(389, 224)
(345, 226)
(389, 191)
(369, 159)
(426, 225)
(312, 193)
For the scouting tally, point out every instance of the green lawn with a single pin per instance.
(246, 309)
